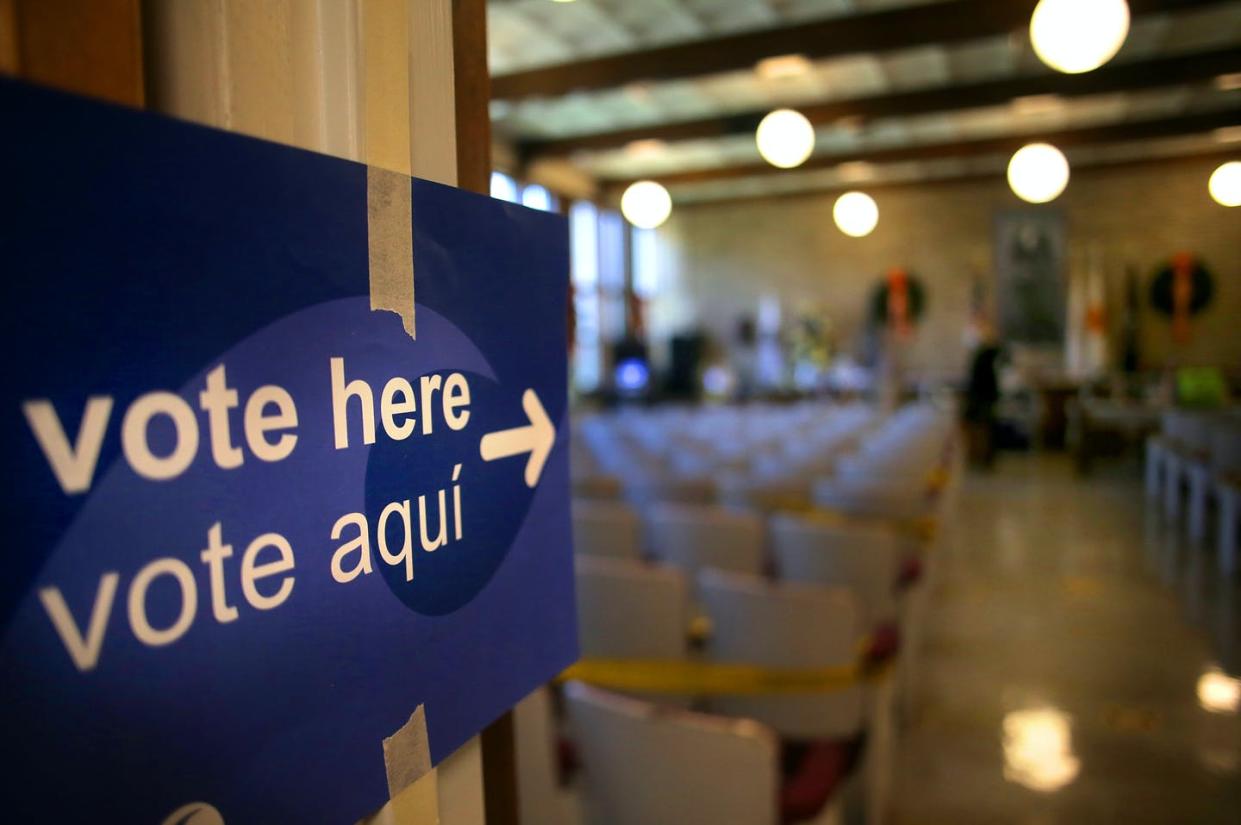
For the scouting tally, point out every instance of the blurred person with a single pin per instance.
(982, 395)
(744, 358)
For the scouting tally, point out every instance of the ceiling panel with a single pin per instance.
(889, 133)
(931, 171)
(835, 79)
(1211, 27)
(529, 33)
(982, 60)
(917, 68)
(592, 28)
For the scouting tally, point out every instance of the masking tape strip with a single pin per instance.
(407, 753)
(390, 243)
(713, 678)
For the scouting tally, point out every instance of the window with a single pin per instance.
(537, 197)
(598, 267)
(584, 255)
(503, 187)
(612, 250)
(645, 263)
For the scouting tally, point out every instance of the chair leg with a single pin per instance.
(877, 759)
(1229, 501)
(1199, 479)
(1171, 488)
(1154, 458)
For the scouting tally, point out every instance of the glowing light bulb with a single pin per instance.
(856, 214)
(785, 138)
(1038, 173)
(646, 204)
(1225, 184)
(1075, 36)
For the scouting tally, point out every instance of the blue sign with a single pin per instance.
(252, 523)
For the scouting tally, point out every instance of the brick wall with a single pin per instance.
(721, 258)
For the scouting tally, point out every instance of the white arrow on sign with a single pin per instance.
(536, 438)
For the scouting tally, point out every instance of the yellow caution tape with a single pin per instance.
(937, 480)
(784, 502)
(922, 528)
(715, 678)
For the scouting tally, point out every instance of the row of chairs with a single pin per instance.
(753, 621)
(699, 760)
(796, 547)
(1194, 465)
(650, 447)
(842, 457)
(675, 564)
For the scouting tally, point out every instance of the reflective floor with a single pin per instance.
(1074, 666)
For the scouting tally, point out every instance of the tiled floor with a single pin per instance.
(1070, 638)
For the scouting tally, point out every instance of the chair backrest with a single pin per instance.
(862, 558)
(894, 498)
(643, 764)
(1185, 429)
(694, 537)
(1195, 431)
(1226, 445)
(785, 625)
(650, 488)
(610, 529)
(630, 610)
(596, 486)
(763, 495)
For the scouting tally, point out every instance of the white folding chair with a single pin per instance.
(608, 529)
(629, 610)
(901, 497)
(793, 625)
(695, 537)
(647, 765)
(785, 625)
(864, 559)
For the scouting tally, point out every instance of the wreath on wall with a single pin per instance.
(1182, 288)
(887, 292)
(1193, 275)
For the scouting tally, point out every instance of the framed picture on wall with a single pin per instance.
(1030, 264)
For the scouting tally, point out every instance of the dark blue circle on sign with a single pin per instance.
(493, 501)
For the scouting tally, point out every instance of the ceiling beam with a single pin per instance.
(1079, 168)
(900, 28)
(1066, 138)
(1167, 71)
